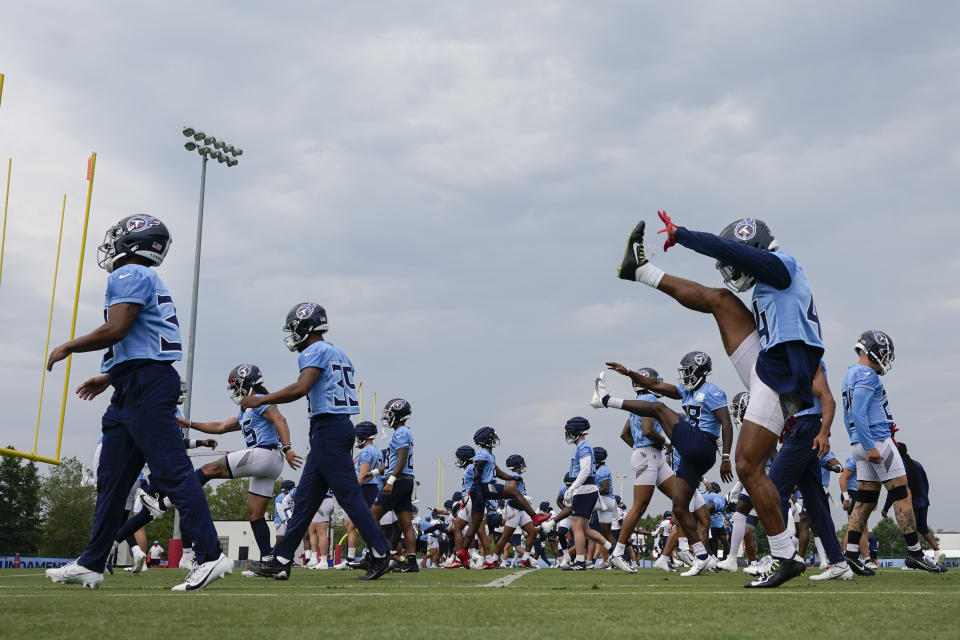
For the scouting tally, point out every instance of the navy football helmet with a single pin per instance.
(575, 427)
(395, 412)
(364, 431)
(879, 348)
(599, 455)
(753, 233)
(486, 437)
(140, 235)
(465, 455)
(650, 372)
(739, 407)
(457, 496)
(568, 479)
(544, 506)
(302, 320)
(517, 463)
(242, 379)
(287, 484)
(448, 505)
(694, 369)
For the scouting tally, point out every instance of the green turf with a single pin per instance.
(544, 603)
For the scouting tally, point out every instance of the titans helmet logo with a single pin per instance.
(700, 358)
(745, 229)
(881, 338)
(243, 371)
(305, 310)
(140, 223)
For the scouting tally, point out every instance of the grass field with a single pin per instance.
(539, 603)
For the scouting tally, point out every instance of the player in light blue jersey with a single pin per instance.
(463, 510)
(327, 380)
(396, 494)
(775, 349)
(866, 413)
(716, 505)
(368, 459)
(516, 518)
(283, 508)
(141, 335)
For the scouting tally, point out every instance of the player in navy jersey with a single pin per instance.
(327, 380)
(867, 415)
(396, 494)
(141, 336)
(707, 419)
(775, 349)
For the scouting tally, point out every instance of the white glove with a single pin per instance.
(546, 526)
(568, 499)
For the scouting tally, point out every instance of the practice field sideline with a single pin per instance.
(542, 603)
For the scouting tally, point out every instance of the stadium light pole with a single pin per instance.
(208, 148)
(621, 477)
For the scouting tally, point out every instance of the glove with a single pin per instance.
(669, 230)
(568, 499)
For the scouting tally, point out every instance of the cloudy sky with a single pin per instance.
(454, 183)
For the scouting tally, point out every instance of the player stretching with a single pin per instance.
(142, 337)
(866, 413)
(326, 378)
(775, 350)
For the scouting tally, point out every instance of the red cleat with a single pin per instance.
(464, 558)
(490, 565)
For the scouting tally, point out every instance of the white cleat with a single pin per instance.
(152, 503)
(72, 573)
(249, 574)
(836, 572)
(319, 566)
(686, 557)
(343, 566)
(205, 573)
(752, 569)
(938, 556)
(729, 564)
(139, 559)
(312, 564)
(187, 560)
(663, 563)
(701, 566)
(599, 391)
(620, 563)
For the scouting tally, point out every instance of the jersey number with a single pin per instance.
(167, 346)
(693, 414)
(248, 434)
(813, 317)
(343, 377)
(763, 329)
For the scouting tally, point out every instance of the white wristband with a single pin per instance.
(844, 496)
(615, 403)
(375, 472)
(391, 480)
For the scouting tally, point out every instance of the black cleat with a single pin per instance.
(783, 569)
(857, 566)
(633, 257)
(270, 567)
(377, 567)
(407, 566)
(923, 563)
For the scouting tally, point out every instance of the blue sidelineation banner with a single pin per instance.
(9, 562)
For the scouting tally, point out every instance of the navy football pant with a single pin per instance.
(797, 465)
(329, 465)
(698, 452)
(139, 426)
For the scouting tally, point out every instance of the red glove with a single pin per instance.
(670, 230)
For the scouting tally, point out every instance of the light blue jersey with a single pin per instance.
(815, 410)
(850, 464)
(824, 472)
(279, 514)
(866, 412)
(719, 504)
(636, 424)
(334, 391)
(789, 314)
(583, 450)
(258, 431)
(467, 478)
(700, 404)
(489, 469)
(603, 473)
(371, 455)
(402, 439)
(155, 333)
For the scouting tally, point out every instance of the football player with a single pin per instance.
(919, 495)
(866, 412)
(141, 335)
(397, 492)
(514, 517)
(367, 459)
(606, 507)
(776, 349)
(462, 509)
(283, 508)
(326, 378)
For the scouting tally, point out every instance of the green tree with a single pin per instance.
(228, 500)
(890, 542)
(20, 515)
(68, 510)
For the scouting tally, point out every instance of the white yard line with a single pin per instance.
(504, 581)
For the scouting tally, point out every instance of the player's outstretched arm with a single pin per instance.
(226, 426)
(669, 390)
(119, 320)
(290, 393)
(761, 264)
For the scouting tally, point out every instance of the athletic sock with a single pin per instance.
(700, 551)
(853, 544)
(649, 275)
(526, 555)
(322, 560)
(683, 544)
(351, 553)
(581, 558)
(619, 549)
(739, 521)
(281, 559)
(913, 542)
(781, 545)
(201, 477)
(607, 546)
(261, 533)
(820, 550)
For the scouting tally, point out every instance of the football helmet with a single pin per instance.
(568, 479)
(140, 235)
(753, 233)
(242, 379)
(650, 372)
(464, 455)
(364, 431)
(879, 348)
(183, 392)
(517, 463)
(575, 427)
(287, 484)
(394, 412)
(486, 437)
(599, 455)
(302, 320)
(694, 369)
(545, 506)
(739, 407)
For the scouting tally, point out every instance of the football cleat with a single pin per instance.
(686, 557)
(633, 257)
(342, 566)
(576, 566)
(453, 562)
(728, 564)
(870, 564)
(753, 569)
(921, 562)
(835, 572)
(858, 567)
(377, 567)
(206, 572)
(701, 566)
(780, 571)
(407, 566)
(139, 559)
(464, 557)
(599, 392)
(664, 564)
(620, 563)
(270, 567)
(153, 502)
(489, 564)
(246, 573)
(73, 573)
(528, 563)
